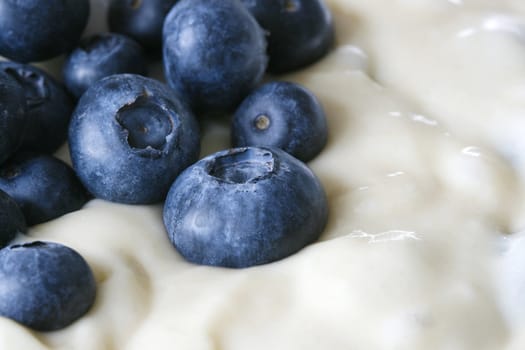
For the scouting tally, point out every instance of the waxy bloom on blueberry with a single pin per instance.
(36, 30)
(45, 286)
(99, 56)
(129, 137)
(44, 187)
(284, 115)
(245, 207)
(214, 53)
(300, 32)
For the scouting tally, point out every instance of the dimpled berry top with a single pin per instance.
(425, 176)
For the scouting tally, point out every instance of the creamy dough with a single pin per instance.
(424, 171)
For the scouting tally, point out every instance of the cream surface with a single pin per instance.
(424, 171)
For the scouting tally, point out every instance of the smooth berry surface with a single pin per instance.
(244, 207)
(43, 186)
(49, 107)
(140, 19)
(300, 32)
(284, 115)
(36, 30)
(99, 56)
(129, 137)
(214, 53)
(12, 220)
(45, 286)
(13, 115)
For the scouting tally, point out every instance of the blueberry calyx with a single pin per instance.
(243, 165)
(147, 126)
(10, 171)
(34, 244)
(35, 87)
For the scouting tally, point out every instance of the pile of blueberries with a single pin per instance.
(136, 140)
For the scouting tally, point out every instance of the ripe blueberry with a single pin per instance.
(36, 30)
(13, 115)
(43, 186)
(49, 107)
(244, 207)
(300, 31)
(214, 53)
(45, 286)
(141, 20)
(99, 56)
(129, 138)
(284, 115)
(11, 219)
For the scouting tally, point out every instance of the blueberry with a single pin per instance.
(99, 56)
(140, 19)
(49, 107)
(300, 31)
(13, 115)
(11, 219)
(129, 137)
(36, 30)
(244, 207)
(45, 286)
(214, 53)
(284, 115)
(43, 186)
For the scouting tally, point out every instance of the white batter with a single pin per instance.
(425, 174)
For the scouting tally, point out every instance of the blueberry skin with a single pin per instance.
(141, 20)
(12, 220)
(36, 30)
(49, 107)
(43, 186)
(244, 207)
(214, 53)
(45, 286)
(13, 115)
(300, 32)
(284, 115)
(99, 56)
(129, 137)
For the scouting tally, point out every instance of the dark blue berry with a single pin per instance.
(284, 115)
(11, 219)
(36, 30)
(141, 20)
(43, 186)
(244, 207)
(13, 115)
(214, 53)
(129, 138)
(45, 286)
(49, 107)
(299, 31)
(99, 56)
